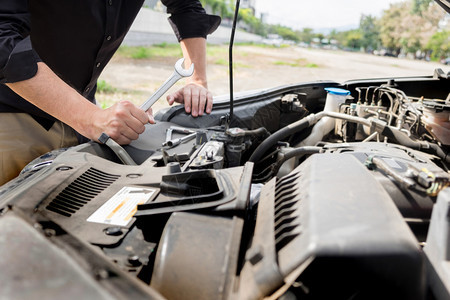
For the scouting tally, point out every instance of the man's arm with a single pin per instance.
(123, 121)
(191, 25)
(22, 71)
(195, 94)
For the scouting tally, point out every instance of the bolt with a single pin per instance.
(101, 274)
(134, 175)
(63, 168)
(115, 231)
(134, 260)
(255, 255)
(49, 232)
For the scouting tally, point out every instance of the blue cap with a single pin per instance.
(337, 91)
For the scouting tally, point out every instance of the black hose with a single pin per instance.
(300, 151)
(294, 153)
(284, 133)
(404, 140)
(388, 131)
(261, 131)
(440, 152)
(299, 126)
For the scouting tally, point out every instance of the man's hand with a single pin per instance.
(195, 95)
(196, 98)
(123, 122)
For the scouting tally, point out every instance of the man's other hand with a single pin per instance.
(196, 98)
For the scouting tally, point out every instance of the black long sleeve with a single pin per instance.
(17, 57)
(76, 39)
(188, 19)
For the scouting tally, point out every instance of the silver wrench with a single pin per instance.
(176, 142)
(177, 129)
(179, 73)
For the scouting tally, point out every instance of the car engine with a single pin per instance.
(309, 191)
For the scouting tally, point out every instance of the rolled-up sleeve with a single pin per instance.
(18, 60)
(189, 19)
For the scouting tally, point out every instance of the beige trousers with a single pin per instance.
(22, 139)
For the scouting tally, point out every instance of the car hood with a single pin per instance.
(445, 4)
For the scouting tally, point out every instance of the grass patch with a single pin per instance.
(241, 65)
(298, 63)
(104, 87)
(214, 50)
(285, 63)
(160, 50)
(261, 45)
(105, 100)
(221, 62)
(215, 53)
(224, 62)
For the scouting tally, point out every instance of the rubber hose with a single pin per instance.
(296, 152)
(404, 140)
(300, 151)
(283, 133)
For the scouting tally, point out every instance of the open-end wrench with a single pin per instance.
(176, 142)
(181, 129)
(179, 73)
(177, 129)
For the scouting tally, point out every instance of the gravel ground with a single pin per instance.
(256, 68)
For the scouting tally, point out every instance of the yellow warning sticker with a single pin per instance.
(122, 206)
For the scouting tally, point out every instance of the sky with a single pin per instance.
(320, 14)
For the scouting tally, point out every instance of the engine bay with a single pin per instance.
(308, 191)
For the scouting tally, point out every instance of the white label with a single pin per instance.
(122, 206)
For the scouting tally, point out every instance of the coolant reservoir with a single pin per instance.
(436, 117)
(335, 97)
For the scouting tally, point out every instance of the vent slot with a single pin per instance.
(287, 215)
(81, 191)
(288, 179)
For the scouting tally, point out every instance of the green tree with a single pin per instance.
(439, 44)
(306, 35)
(285, 32)
(401, 29)
(333, 34)
(420, 6)
(353, 39)
(340, 37)
(390, 26)
(370, 32)
(319, 36)
(221, 7)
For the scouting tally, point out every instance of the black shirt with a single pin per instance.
(76, 39)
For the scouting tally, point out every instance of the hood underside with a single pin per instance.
(445, 4)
